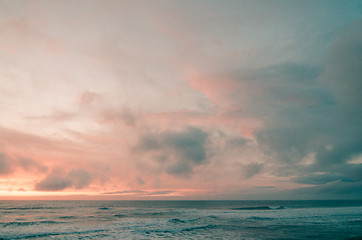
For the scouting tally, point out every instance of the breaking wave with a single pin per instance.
(260, 208)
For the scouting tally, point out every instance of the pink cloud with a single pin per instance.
(18, 34)
(215, 88)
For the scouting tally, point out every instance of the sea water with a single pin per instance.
(180, 219)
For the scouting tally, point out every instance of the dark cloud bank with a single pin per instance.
(309, 111)
(323, 118)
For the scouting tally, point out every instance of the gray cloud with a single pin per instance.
(125, 192)
(180, 168)
(237, 142)
(292, 106)
(306, 110)
(138, 192)
(178, 151)
(147, 143)
(330, 128)
(284, 88)
(56, 181)
(251, 169)
(80, 178)
(190, 144)
(320, 179)
(112, 116)
(30, 165)
(331, 190)
(140, 181)
(104, 113)
(343, 70)
(5, 167)
(53, 182)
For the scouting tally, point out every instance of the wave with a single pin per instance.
(120, 215)
(260, 208)
(354, 238)
(48, 234)
(200, 227)
(178, 220)
(358, 222)
(29, 223)
(67, 217)
(145, 214)
(104, 208)
(260, 218)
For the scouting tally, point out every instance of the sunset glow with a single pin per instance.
(180, 99)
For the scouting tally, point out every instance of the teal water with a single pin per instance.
(180, 219)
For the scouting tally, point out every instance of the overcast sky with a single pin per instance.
(181, 99)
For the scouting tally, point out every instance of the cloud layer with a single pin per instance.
(179, 152)
(55, 181)
(184, 100)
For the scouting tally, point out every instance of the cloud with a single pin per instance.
(55, 116)
(53, 182)
(13, 138)
(330, 127)
(260, 99)
(332, 190)
(280, 107)
(147, 143)
(237, 142)
(88, 98)
(251, 169)
(139, 192)
(305, 108)
(9, 166)
(5, 167)
(112, 116)
(343, 70)
(18, 33)
(335, 190)
(190, 144)
(28, 165)
(320, 179)
(178, 151)
(125, 192)
(80, 178)
(56, 181)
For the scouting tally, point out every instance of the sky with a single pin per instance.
(180, 99)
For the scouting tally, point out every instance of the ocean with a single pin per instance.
(181, 220)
